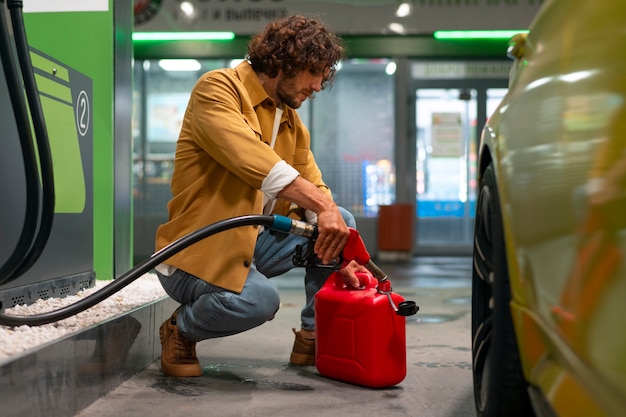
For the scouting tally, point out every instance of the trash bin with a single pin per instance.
(396, 225)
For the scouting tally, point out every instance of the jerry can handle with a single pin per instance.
(366, 279)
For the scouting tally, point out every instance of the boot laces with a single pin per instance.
(186, 348)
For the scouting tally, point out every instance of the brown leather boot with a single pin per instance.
(178, 357)
(303, 352)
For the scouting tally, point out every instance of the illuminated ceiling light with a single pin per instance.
(477, 34)
(187, 8)
(183, 36)
(179, 64)
(391, 67)
(404, 10)
(397, 28)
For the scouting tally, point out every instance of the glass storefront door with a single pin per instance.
(446, 148)
(449, 117)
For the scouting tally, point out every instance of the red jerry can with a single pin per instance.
(361, 333)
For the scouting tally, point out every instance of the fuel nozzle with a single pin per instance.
(376, 271)
(355, 250)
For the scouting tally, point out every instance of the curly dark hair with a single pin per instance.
(294, 44)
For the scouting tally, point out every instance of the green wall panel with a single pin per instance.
(84, 42)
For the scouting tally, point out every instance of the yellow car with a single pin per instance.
(549, 276)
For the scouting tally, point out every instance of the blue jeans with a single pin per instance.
(208, 311)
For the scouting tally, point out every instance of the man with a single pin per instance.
(243, 149)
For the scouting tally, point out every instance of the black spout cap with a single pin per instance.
(407, 308)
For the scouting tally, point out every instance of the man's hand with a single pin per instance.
(349, 274)
(333, 233)
(332, 236)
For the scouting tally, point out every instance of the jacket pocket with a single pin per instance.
(300, 158)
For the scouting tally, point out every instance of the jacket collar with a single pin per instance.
(256, 91)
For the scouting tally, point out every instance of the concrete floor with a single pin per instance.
(249, 375)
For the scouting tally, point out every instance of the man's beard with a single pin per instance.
(286, 95)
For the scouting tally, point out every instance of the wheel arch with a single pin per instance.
(528, 333)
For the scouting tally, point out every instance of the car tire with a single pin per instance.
(499, 386)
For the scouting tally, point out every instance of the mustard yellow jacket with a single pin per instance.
(222, 157)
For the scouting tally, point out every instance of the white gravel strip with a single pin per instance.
(14, 340)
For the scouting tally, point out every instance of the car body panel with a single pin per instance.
(558, 144)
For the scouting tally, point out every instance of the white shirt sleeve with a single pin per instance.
(311, 216)
(281, 175)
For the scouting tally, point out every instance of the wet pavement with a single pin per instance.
(249, 374)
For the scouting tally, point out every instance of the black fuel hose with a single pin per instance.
(29, 246)
(274, 222)
(20, 113)
(43, 144)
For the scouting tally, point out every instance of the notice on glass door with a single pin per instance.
(447, 135)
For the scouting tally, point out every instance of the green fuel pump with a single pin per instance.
(46, 218)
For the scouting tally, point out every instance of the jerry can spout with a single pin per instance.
(404, 308)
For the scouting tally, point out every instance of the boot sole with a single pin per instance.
(302, 359)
